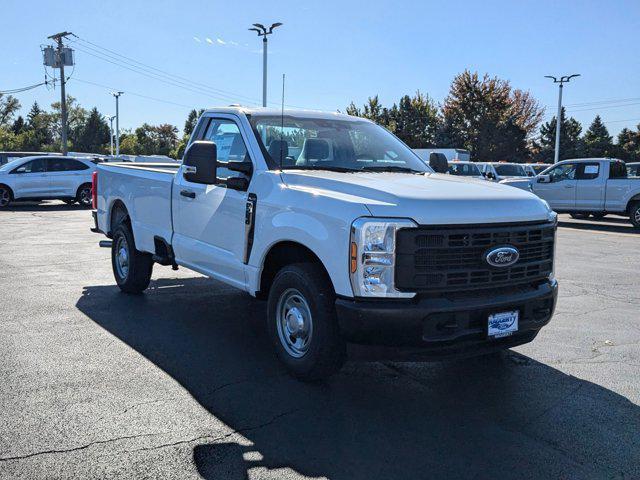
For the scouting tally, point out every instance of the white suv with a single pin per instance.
(47, 177)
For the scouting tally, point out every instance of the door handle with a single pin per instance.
(188, 193)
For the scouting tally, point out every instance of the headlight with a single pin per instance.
(372, 256)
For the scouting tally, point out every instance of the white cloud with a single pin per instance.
(209, 40)
(231, 42)
(220, 41)
(197, 39)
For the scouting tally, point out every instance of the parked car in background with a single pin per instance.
(633, 169)
(6, 157)
(587, 186)
(44, 177)
(450, 153)
(465, 169)
(354, 238)
(143, 159)
(534, 169)
(498, 171)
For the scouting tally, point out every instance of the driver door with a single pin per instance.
(561, 191)
(209, 220)
(30, 180)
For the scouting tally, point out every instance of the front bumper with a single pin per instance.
(449, 325)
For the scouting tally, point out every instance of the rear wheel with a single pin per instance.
(634, 215)
(131, 268)
(5, 196)
(302, 322)
(83, 197)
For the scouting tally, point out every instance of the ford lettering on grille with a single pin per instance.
(502, 256)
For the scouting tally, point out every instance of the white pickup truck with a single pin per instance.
(343, 229)
(587, 186)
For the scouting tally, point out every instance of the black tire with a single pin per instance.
(325, 351)
(83, 195)
(6, 196)
(136, 276)
(634, 215)
(579, 216)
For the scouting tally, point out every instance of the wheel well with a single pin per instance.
(8, 188)
(280, 255)
(82, 185)
(635, 199)
(119, 213)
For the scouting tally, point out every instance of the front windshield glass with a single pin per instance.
(464, 169)
(510, 170)
(292, 142)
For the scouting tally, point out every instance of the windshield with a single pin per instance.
(292, 142)
(510, 170)
(464, 169)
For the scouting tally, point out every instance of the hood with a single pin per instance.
(430, 199)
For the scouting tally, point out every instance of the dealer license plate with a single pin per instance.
(503, 324)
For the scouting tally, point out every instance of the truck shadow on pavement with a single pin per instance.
(42, 207)
(510, 417)
(606, 225)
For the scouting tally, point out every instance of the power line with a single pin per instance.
(128, 92)
(23, 89)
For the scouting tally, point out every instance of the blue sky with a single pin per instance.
(332, 52)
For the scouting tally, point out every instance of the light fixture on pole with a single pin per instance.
(263, 32)
(561, 81)
(117, 95)
(111, 117)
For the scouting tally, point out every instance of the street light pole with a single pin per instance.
(111, 133)
(263, 31)
(117, 95)
(561, 81)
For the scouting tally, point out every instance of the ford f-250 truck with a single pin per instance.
(587, 186)
(343, 229)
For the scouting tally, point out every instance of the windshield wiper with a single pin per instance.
(390, 168)
(320, 167)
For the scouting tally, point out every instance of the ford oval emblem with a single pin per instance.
(502, 256)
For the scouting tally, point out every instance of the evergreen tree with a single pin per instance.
(570, 142)
(18, 125)
(192, 120)
(92, 135)
(597, 142)
(9, 105)
(628, 147)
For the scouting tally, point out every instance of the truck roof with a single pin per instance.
(595, 159)
(276, 112)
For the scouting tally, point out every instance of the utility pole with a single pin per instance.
(117, 95)
(263, 32)
(60, 61)
(111, 133)
(561, 81)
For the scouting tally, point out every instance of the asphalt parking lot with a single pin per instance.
(182, 383)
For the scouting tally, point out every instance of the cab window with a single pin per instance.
(588, 171)
(617, 170)
(566, 171)
(229, 142)
(64, 165)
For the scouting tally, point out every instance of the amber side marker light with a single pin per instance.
(354, 257)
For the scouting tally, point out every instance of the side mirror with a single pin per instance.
(544, 179)
(201, 162)
(438, 162)
(490, 176)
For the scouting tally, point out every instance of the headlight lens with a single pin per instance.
(372, 256)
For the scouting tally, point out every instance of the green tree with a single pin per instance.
(76, 117)
(570, 141)
(485, 116)
(415, 120)
(9, 105)
(191, 121)
(18, 125)
(597, 142)
(156, 140)
(92, 135)
(36, 135)
(628, 146)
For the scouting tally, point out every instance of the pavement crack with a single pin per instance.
(75, 449)
(211, 438)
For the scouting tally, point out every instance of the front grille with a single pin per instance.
(452, 258)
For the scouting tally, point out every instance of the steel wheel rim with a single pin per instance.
(5, 198)
(122, 257)
(85, 196)
(294, 323)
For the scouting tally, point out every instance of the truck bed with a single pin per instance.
(146, 189)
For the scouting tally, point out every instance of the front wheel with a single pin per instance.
(131, 268)
(634, 215)
(302, 322)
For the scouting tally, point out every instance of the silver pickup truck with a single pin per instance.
(587, 186)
